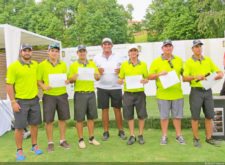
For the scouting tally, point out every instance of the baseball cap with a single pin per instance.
(107, 40)
(167, 42)
(197, 42)
(26, 46)
(54, 45)
(133, 47)
(81, 47)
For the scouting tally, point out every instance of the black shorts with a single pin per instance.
(55, 103)
(85, 105)
(104, 95)
(30, 113)
(133, 100)
(201, 98)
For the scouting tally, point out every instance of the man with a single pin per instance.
(81, 72)
(108, 88)
(196, 69)
(54, 98)
(169, 99)
(134, 97)
(222, 92)
(22, 90)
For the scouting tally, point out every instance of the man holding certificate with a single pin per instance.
(197, 70)
(167, 70)
(134, 73)
(108, 90)
(52, 79)
(83, 73)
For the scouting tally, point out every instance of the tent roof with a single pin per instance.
(26, 37)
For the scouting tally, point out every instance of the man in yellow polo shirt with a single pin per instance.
(82, 74)
(196, 69)
(169, 99)
(22, 90)
(134, 97)
(55, 98)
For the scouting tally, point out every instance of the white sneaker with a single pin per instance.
(94, 142)
(81, 144)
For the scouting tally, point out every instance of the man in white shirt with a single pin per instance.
(108, 88)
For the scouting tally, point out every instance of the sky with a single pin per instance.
(140, 7)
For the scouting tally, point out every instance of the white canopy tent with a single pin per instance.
(10, 39)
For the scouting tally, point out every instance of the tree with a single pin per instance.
(174, 19)
(211, 22)
(96, 19)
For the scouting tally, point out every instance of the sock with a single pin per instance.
(61, 141)
(51, 142)
(91, 138)
(81, 139)
(33, 145)
(19, 149)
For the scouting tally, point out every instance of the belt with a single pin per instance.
(134, 92)
(200, 88)
(84, 91)
(27, 99)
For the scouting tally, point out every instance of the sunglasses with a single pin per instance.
(170, 63)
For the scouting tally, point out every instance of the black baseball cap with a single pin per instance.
(26, 46)
(81, 47)
(197, 42)
(54, 45)
(167, 42)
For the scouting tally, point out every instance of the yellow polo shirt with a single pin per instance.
(24, 78)
(160, 64)
(128, 69)
(46, 68)
(194, 67)
(83, 85)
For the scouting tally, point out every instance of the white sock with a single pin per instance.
(50, 142)
(61, 141)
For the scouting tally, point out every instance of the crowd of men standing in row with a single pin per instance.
(25, 75)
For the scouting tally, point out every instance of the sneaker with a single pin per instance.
(196, 142)
(81, 144)
(94, 142)
(50, 147)
(65, 145)
(141, 139)
(180, 139)
(213, 142)
(122, 135)
(20, 156)
(164, 140)
(131, 140)
(105, 136)
(26, 135)
(36, 150)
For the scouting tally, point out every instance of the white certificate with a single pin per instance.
(134, 82)
(57, 80)
(109, 70)
(209, 82)
(169, 79)
(86, 74)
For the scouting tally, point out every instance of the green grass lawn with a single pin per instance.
(116, 150)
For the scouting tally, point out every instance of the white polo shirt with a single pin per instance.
(109, 79)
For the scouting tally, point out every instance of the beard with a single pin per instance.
(26, 57)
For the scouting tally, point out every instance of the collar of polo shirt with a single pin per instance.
(197, 59)
(25, 63)
(163, 57)
(138, 62)
(58, 62)
(84, 63)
